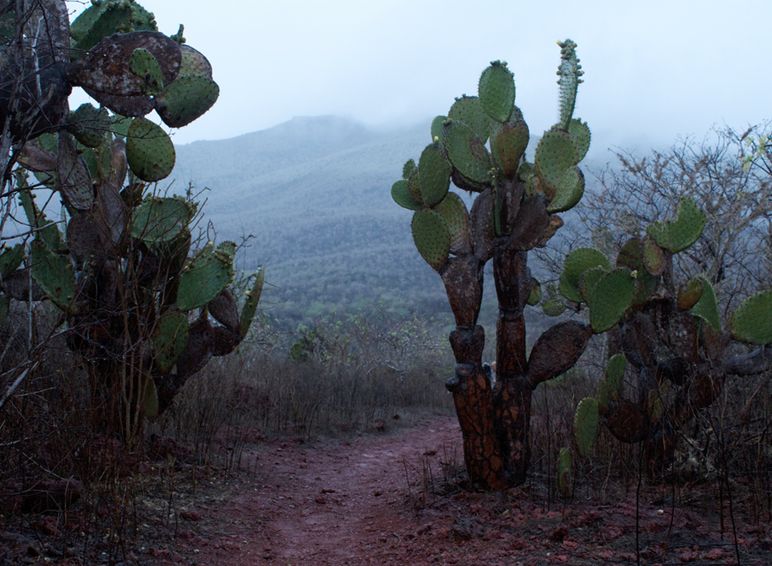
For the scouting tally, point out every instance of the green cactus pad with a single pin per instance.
(576, 263)
(54, 274)
(432, 237)
(752, 321)
(186, 99)
(89, 124)
(609, 298)
(10, 260)
(508, 144)
(205, 276)
(150, 406)
(161, 219)
(436, 129)
(170, 339)
(580, 135)
(555, 155)
(408, 168)
(565, 477)
(568, 192)
(535, 294)
(401, 195)
(193, 63)
(467, 152)
(144, 65)
(106, 18)
(706, 307)
(631, 256)
(149, 150)
(433, 175)
(653, 257)
(496, 90)
(454, 212)
(414, 187)
(589, 279)
(468, 111)
(679, 234)
(610, 387)
(250, 304)
(586, 425)
(553, 307)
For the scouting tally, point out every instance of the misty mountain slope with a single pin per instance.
(318, 201)
(316, 195)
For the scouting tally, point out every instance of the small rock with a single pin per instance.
(190, 515)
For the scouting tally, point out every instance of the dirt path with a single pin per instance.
(329, 503)
(375, 500)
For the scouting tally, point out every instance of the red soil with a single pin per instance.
(376, 500)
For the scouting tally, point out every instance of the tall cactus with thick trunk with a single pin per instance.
(141, 312)
(480, 147)
(667, 339)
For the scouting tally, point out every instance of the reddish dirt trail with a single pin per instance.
(328, 503)
(364, 501)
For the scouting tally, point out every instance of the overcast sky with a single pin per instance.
(654, 69)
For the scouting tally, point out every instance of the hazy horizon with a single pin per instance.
(653, 71)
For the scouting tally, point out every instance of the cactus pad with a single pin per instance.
(689, 294)
(706, 307)
(250, 304)
(608, 300)
(73, 178)
(89, 124)
(433, 175)
(205, 276)
(553, 307)
(193, 63)
(53, 272)
(161, 219)
(586, 425)
(580, 135)
(106, 18)
(401, 195)
(568, 192)
(169, 339)
(408, 168)
(610, 387)
(752, 321)
(149, 150)
(555, 155)
(467, 152)
(144, 65)
(496, 90)
(436, 128)
(453, 211)
(508, 144)
(185, 100)
(653, 257)
(468, 111)
(576, 263)
(679, 234)
(432, 237)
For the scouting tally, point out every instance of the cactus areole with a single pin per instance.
(480, 147)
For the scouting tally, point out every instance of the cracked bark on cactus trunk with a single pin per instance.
(495, 422)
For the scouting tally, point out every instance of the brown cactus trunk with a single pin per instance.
(495, 422)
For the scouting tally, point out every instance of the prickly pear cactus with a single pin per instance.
(481, 146)
(668, 340)
(119, 263)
